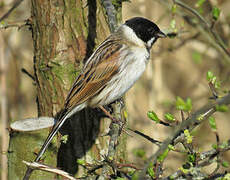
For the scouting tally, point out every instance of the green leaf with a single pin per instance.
(215, 13)
(197, 57)
(151, 172)
(139, 153)
(171, 147)
(188, 136)
(110, 158)
(163, 155)
(217, 84)
(192, 158)
(64, 139)
(173, 24)
(200, 117)
(184, 170)
(199, 3)
(222, 108)
(153, 116)
(223, 145)
(173, 9)
(182, 105)
(209, 76)
(81, 162)
(213, 79)
(214, 146)
(169, 117)
(135, 176)
(2, 23)
(188, 104)
(212, 123)
(226, 177)
(131, 172)
(225, 164)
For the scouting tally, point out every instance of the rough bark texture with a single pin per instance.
(65, 33)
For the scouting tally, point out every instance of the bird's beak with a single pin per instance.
(160, 34)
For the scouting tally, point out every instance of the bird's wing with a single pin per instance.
(102, 67)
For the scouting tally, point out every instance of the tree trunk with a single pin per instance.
(65, 33)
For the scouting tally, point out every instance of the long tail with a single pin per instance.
(53, 132)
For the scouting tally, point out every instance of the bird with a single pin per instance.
(111, 70)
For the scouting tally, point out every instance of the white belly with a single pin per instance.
(129, 73)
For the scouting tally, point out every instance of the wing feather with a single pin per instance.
(94, 76)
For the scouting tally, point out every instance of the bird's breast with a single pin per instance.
(132, 66)
(135, 66)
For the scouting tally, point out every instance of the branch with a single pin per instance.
(193, 11)
(111, 14)
(28, 74)
(193, 120)
(43, 167)
(18, 25)
(206, 159)
(114, 133)
(115, 128)
(158, 143)
(183, 42)
(16, 4)
(208, 26)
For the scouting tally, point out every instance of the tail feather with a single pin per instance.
(53, 132)
(61, 120)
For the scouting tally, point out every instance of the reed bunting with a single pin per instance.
(110, 71)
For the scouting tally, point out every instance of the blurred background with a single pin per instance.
(178, 67)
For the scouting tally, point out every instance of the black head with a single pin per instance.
(145, 30)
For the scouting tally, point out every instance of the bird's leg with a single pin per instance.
(108, 114)
(114, 120)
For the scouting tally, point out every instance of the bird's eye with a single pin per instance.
(150, 31)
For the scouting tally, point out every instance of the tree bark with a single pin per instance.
(65, 33)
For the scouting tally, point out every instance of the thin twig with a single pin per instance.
(16, 4)
(114, 132)
(115, 129)
(94, 169)
(204, 159)
(183, 42)
(43, 167)
(208, 26)
(18, 25)
(119, 166)
(213, 90)
(217, 176)
(193, 119)
(209, 155)
(28, 74)
(158, 143)
(185, 6)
